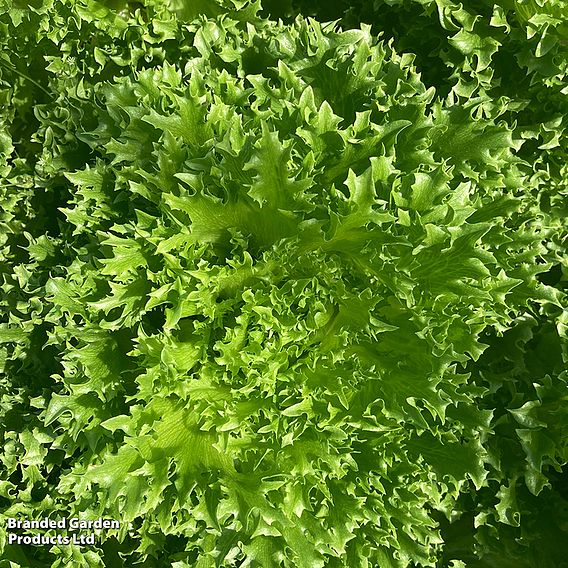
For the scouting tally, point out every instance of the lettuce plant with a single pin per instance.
(272, 298)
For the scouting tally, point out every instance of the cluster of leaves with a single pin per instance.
(279, 292)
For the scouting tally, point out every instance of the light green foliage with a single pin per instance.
(271, 297)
